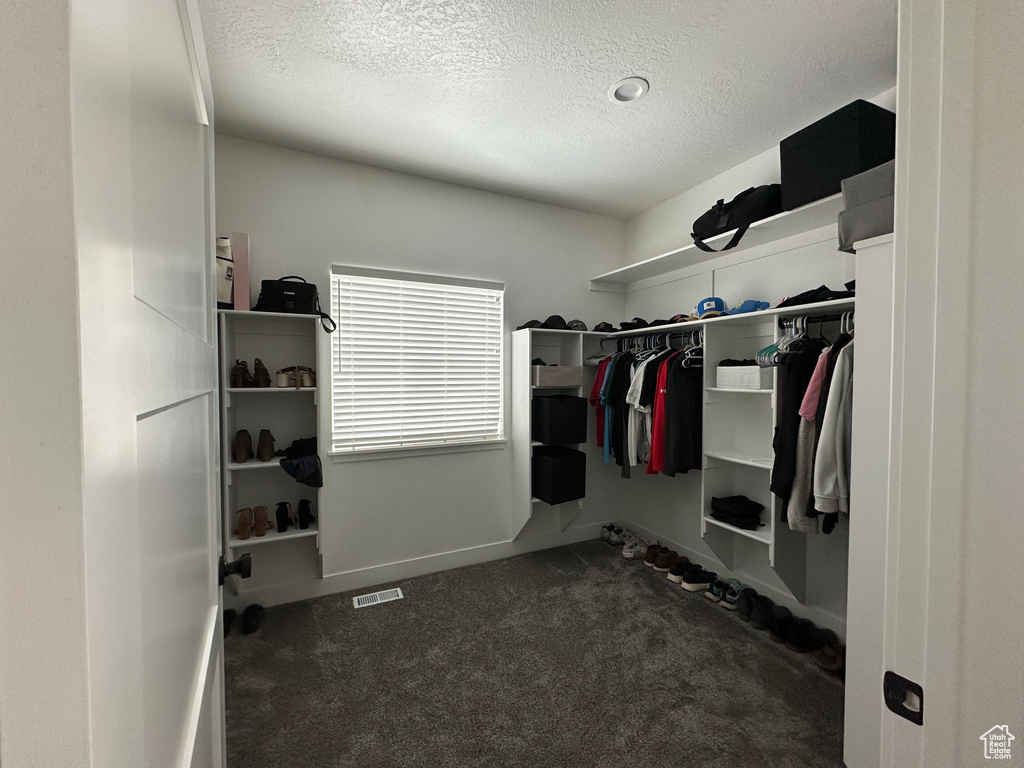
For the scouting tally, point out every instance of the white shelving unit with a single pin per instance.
(565, 348)
(739, 426)
(279, 340)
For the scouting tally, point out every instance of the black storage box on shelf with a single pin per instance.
(851, 140)
(559, 419)
(559, 474)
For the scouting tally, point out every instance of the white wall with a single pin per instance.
(43, 684)
(305, 212)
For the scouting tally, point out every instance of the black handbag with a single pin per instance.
(293, 298)
(743, 210)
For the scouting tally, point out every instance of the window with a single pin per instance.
(416, 361)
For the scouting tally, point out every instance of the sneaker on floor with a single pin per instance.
(804, 636)
(716, 590)
(606, 531)
(745, 603)
(618, 536)
(731, 596)
(782, 622)
(678, 568)
(652, 555)
(665, 559)
(634, 549)
(696, 579)
(762, 612)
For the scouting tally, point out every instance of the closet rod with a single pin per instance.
(815, 318)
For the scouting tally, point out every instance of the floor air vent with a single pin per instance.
(377, 597)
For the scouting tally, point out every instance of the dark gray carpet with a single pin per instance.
(562, 658)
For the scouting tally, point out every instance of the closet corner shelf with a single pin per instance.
(762, 535)
(267, 390)
(788, 224)
(266, 315)
(741, 457)
(743, 390)
(272, 536)
(255, 464)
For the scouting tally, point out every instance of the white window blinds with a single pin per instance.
(416, 360)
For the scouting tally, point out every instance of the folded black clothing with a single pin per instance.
(736, 506)
(306, 470)
(537, 361)
(746, 523)
(304, 446)
(730, 363)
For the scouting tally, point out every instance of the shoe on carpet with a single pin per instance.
(634, 549)
(832, 654)
(745, 603)
(678, 568)
(665, 559)
(696, 579)
(618, 536)
(782, 622)
(762, 612)
(804, 637)
(229, 618)
(605, 531)
(251, 618)
(731, 596)
(652, 555)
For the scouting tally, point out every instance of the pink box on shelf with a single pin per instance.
(240, 254)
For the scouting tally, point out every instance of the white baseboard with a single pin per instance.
(820, 617)
(362, 578)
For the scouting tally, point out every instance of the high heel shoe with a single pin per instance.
(265, 449)
(261, 375)
(305, 516)
(283, 513)
(240, 376)
(244, 529)
(242, 450)
(260, 522)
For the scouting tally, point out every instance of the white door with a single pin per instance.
(143, 213)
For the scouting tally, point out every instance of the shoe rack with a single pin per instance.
(280, 341)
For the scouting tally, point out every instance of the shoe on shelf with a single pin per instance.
(244, 528)
(240, 376)
(678, 569)
(804, 637)
(782, 623)
(745, 603)
(260, 374)
(307, 376)
(260, 522)
(665, 559)
(284, 515)
(305, 515)
(731, 596)
(242, 449)
(696, 579)
(762, 612)
(265, 450)
(634, 549)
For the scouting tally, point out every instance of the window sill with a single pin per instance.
(426, 450)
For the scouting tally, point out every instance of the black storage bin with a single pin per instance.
(559, 474)
(851, 140)
(559, 419)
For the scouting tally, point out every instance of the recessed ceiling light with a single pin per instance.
(628, 89)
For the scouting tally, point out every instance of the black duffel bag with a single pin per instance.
(747, 207)
(292, 298)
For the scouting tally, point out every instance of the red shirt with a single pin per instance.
(657, 462)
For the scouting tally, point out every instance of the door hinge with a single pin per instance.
(904, 697)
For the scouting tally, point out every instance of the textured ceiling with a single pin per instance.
(511, 95)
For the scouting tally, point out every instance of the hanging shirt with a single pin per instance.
(657, 462)
(595, 399)
(832, 458)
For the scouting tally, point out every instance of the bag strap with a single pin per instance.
(733, 241)
(325, 318)
(292, 277)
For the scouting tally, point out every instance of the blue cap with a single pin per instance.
(710, 307)
(750, 305)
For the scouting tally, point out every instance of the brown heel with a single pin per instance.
(261, 375)
(244, 529)
(240, 376)
(265, 449)
(243, 446)
(260, 522)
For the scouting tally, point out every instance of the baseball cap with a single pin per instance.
(634, 324)
(577, 325)
(555, 323)
(604, 327)
(710, 307)
(750, 305)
